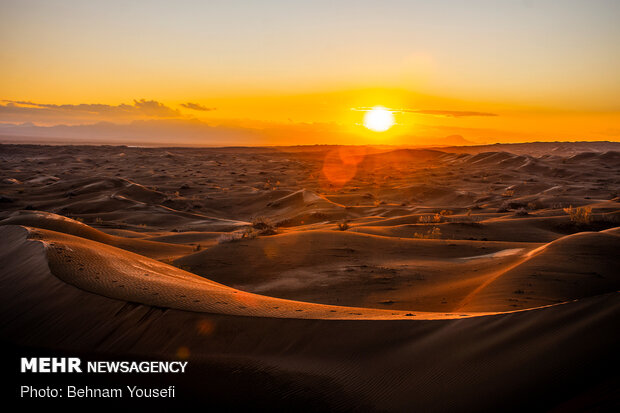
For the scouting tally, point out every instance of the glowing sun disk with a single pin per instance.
(379, 119)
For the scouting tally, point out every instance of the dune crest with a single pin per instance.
(119, 274)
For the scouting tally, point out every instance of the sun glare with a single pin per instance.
(378, 119)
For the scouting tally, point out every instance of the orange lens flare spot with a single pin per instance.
(340, 165)
(205, 327)
(183, 353)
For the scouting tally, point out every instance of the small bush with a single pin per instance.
(521, 212)
(343, 226)
(260, 226)
(435, 233)
(251, 233)
(429, 219)
(263, 226)
(532, 206)
(230, 237)
(580, 215)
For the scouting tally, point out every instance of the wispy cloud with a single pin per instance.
(434, 112)
(449, 113)
(196, 106)
(33, 111)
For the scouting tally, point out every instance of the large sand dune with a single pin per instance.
(324, 278)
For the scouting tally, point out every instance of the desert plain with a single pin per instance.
(347, 278)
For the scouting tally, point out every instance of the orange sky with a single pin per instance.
(278, 72)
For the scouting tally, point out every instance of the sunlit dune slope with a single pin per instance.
(116, 273)
(572, 267)
(58, 223)
(356, 269)
(503, 279)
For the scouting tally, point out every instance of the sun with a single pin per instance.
(379, 119)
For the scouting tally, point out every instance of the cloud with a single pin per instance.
(196, 106)
(449, 113)
(155, 109)
(431, 112)
(13, 110)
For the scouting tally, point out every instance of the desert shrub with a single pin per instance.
(580, 215)
(260, 226)
(251, 233)
(521, 212)
(434, 233)
(429, 219)
(232, 237)
(260, 223)
(343, 225)
(532, 206)
(263, 226)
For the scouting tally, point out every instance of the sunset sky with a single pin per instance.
(287, 72)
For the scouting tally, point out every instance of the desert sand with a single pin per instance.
(324, 277)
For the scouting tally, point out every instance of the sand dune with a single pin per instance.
(328, 278)
(370, 365)
(572, 267)
(119, 274)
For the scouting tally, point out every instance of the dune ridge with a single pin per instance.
(115, 273)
